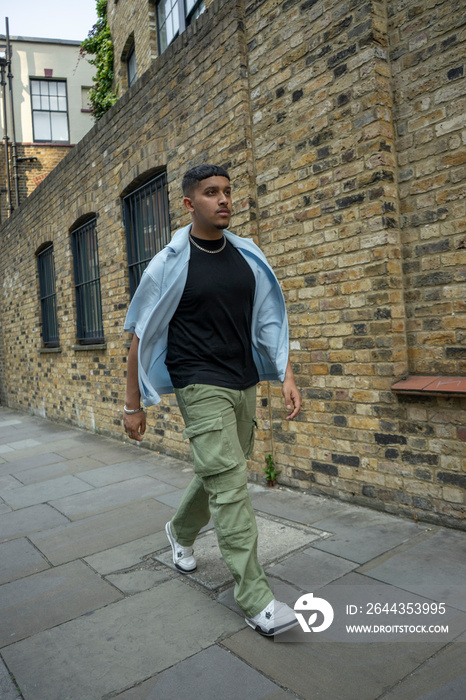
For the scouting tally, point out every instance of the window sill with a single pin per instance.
(54, 144)
(47, 351)
(95, 346)
(433, 386)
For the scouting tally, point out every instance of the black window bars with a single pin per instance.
(147, 224)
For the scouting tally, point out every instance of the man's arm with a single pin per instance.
(134, 424)
(291, 393)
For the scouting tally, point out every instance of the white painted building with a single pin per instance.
(50, 90)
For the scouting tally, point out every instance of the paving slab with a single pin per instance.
(360, 534)
(19, 558)
(297, 507)
(441, 677)
(311, 569)
(59, 468)
(19, 464)
(120, 645)
(14, 436)
(101, 532)
(44, 491)
(211, 674)
(49, 598)
(106, 498)
(172, 499)
(412, 568)
(112, 474)
(18, 523)
(8, 690)
(8, 422)
(331, 670)
(4, 448)
(112, 455)
(276, 540)
(36, 433)
(76, 449)
(137, 581)
(127, 555)
(23, 444)
(41, 448)
(8, 482)
(4, 508)
(173, 471)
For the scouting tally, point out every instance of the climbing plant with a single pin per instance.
(99, 44)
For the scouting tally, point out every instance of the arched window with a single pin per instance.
(131, 67)
(147, 224)
(87, 283)
(48, 296)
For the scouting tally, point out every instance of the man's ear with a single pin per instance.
(188, 204)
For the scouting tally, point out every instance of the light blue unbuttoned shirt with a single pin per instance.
(157, 298)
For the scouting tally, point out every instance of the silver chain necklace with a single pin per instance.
(204, 250)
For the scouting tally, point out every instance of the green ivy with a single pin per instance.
(99, 44)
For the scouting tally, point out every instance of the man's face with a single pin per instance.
(210, 204)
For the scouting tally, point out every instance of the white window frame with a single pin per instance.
(186, 11)
(43, 103)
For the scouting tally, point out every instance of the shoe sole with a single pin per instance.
(273, 632)
(171, 540)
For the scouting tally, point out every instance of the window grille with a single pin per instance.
(147, 224)
(48, 297)
(49, 111)
(173, 16)
(87, 284)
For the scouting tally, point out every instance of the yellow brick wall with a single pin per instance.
(35, 162)
(427, 57)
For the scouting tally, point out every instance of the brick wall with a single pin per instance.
(35, 162)
(307, 104)
(133, 23)
(427, 57)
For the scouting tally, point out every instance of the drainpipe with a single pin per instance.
(14, 153)
(3, 62)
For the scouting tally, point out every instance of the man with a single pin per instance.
(209, 320)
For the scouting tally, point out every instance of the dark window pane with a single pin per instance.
(132, 69)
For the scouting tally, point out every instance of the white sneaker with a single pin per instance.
(182, 556)
(274, 619)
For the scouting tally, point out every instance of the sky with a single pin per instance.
(48, 19)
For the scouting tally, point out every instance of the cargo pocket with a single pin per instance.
(233, 514)
(250, 444)
(210, 446)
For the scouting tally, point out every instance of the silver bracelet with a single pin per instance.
(130, 411)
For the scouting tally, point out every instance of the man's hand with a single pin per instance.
(135, 425)
(291, 394)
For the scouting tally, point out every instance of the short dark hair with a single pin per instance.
(199, 173)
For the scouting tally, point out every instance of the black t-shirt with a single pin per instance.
(209, 337)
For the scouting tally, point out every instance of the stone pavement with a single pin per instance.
(91, 607)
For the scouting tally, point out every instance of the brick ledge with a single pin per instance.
(90, 346)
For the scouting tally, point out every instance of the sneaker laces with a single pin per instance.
(182, 552)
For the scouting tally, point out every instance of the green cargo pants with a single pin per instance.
(220, 427)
